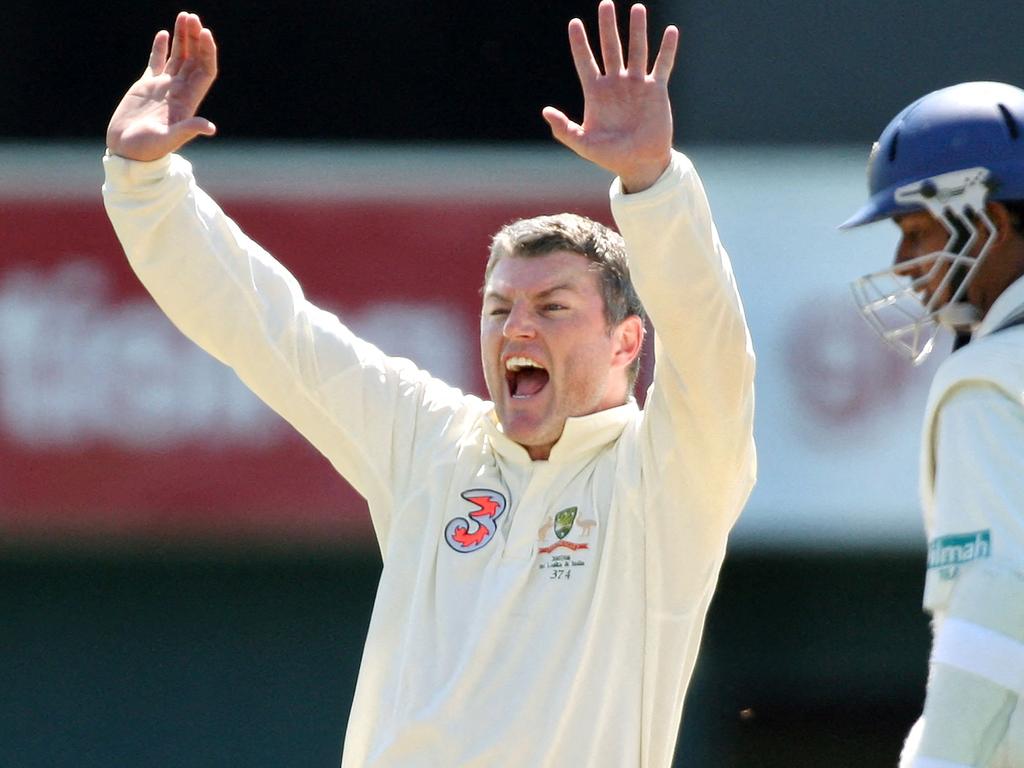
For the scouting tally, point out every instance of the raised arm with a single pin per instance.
(158, 113)
(696, 439)
(360, 408)
(627, 116)
(701, 404)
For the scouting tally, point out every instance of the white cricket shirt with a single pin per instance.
(972, 491)
(529, 613)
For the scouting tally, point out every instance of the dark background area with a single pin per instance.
(186, 658)
(408, 70)
(229, 659)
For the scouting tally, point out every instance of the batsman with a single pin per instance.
(548, 553)
(948, 169)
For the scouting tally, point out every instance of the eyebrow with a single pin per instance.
(541, 295)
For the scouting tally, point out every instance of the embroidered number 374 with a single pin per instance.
(470, 535)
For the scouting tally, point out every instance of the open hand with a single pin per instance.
(627, 116)
(158, 114)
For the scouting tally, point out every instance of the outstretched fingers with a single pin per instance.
(186, 130)
(186, 41)
(179, 44)
(611, 46)
(627, 116)
(637, 62)
(158, 113)
(666, 54)
(562, 128)
(158, 54)
(207, 52)
(193, 58)
(582, 55)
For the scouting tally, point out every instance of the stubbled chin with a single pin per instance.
(525, 425)
(537, 444)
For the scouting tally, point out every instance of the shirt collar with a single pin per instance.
(581, 437)
(1009, 303)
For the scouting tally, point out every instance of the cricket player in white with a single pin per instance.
(549, 555)
(949, 169)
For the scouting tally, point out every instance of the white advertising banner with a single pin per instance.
(838, 413)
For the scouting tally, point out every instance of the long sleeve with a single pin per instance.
(359, 407)
(698, 424)
(696, 442)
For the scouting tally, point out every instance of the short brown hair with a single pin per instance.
(602, 246)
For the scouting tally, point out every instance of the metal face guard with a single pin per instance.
(897, 305)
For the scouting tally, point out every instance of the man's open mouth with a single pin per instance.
(525, 377)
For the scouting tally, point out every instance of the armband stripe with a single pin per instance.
(982, 652)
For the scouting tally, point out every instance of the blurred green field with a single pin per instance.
(225, 658)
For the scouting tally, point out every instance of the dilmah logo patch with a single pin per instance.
(470, 535)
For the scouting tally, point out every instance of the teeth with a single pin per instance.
(518, 363)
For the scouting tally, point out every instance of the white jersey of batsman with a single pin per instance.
(529, 613)
(972, 488)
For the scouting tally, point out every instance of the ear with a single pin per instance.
(629, 337)
(1003, 222)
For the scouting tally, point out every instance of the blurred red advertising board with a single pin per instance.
(114, 427)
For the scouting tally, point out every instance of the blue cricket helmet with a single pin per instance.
(969, 125)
